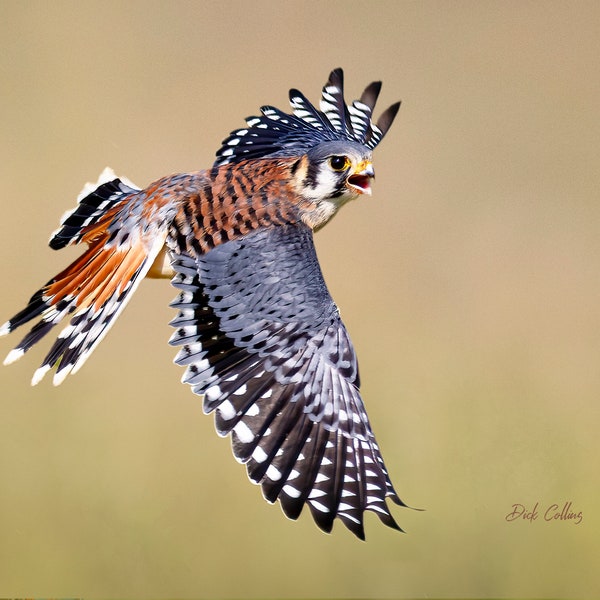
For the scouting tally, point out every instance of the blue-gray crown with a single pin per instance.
(276, 133)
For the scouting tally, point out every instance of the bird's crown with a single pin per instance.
(278, 134)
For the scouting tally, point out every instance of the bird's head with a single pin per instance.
(329, 175)
(337, 170)
(329, 150)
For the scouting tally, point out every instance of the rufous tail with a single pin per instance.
(111, 219)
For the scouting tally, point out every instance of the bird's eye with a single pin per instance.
(339, 163)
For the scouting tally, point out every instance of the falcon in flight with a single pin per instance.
(259, 335)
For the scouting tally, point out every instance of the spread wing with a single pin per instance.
(264, 344)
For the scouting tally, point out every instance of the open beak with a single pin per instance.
(360, 180)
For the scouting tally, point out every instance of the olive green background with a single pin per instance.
(470, 284)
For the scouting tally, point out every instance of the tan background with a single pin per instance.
(470, 283)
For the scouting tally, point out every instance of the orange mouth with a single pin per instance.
(361, 182)
(361, 179)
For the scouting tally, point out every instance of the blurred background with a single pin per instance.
(469, 282)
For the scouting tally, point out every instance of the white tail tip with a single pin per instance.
(13, 356)
(39, 374)
(61, 375)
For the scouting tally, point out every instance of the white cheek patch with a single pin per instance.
(327, 183)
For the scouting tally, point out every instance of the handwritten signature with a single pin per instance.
(551, 513)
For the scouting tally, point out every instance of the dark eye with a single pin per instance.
(339, 163)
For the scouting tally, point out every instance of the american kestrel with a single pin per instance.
(260, 337)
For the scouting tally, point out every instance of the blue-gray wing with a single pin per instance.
(264, 344)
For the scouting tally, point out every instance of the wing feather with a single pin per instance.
(263, 343)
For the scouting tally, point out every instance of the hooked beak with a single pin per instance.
(360, 180)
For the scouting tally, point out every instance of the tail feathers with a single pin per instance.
(124, 235)
(93, 207)
(94, 290)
